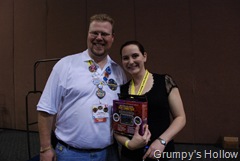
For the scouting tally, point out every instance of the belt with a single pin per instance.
(78, 149)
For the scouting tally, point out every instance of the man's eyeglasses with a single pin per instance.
(102, 34)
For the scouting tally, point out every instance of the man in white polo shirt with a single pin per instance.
(80, 92)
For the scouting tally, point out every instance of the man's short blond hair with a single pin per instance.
(102, 17)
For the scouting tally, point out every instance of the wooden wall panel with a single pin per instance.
(66, 27)
(29, 46)
(7, 114)
(65, 33)
(216, 48)
(164, 29)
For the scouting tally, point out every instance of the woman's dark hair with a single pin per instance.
(133, 42)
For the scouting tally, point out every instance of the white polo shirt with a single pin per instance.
(71, 94)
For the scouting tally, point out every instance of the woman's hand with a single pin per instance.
(154, 151)
(139, 141)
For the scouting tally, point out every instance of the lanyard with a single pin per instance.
(142, 86)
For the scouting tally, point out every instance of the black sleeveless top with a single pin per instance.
(158, 113)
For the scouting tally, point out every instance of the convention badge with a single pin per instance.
(112, 84)
(100, 93)
(100, 113)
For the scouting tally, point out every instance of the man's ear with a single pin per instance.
(113, 36)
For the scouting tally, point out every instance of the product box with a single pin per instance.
(230, 143)
(128, 112)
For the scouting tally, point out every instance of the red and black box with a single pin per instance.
(128, 112)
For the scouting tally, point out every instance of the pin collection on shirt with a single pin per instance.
(101, 82)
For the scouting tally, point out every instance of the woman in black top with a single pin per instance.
(163, 99)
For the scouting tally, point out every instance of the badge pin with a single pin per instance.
(106, 75)
(105, 79)
(108, 70)
(112, 84)
(96, 81)
(100, 93)
(100, 86)
(92, 68)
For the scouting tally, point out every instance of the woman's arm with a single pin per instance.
(178, 114)
(179, 121)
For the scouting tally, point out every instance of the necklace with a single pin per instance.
(142, 86)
